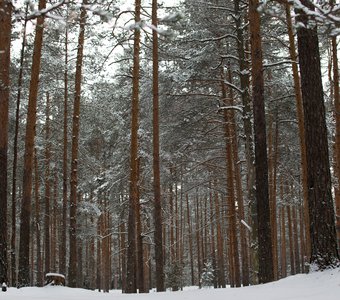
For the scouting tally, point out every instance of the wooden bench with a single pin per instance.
(54, 279)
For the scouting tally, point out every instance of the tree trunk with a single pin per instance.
(272, 169)
(62, 263)
(283, 243)
(290, 236)
(39, 267)
(74, 156)
(300, 118)
(132, 246)
(248, 134)
(198, 244)
(212, 237)
(296, 240)
(47, 215)
(321, 210)
(336, 95)
(261, 164)
(139, 240)
(25, 216)
(190, 241)
(220, 244)
(5, 48)
(156, 165)
(15, 157)
(233, 241)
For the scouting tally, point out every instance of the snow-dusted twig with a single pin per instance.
(246, 225)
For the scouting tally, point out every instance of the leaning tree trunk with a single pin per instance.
(74, 155)
(25, 217)
(5, 48)
(321, 209)
(261, 164)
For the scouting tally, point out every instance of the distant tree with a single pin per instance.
(5, 48)
(25, 217)
(321, 209)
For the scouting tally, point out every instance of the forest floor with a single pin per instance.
(314, 286)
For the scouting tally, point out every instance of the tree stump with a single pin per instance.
(54, 279)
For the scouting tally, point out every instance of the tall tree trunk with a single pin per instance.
(239, 197)
(198, 238)
(15, 156)
(283, 243)
(190, 241)
(5, 48)
(131, 251)
(261, 164)
(62, 263)
(220, 244)
(336, 95)
(47, 215)
(248, 132)
(74, 156)
(272, 169)
(123, 254)
(39, 267)
(25, 216)
(233, 241)
(54, 227)
(171, 224)
(290, 236)
(139, 240)
(212, 236)
(296, 240)
(321, 210)
(156, 165)
(300, 118)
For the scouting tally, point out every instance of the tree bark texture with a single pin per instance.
(62, 262)
(133, 197)
(5, 48)
(25, 216)
(47, 214)
(74, 155)
(321, 210)
(300, 118)
(156, 164)
(261, 163)
(15, 158)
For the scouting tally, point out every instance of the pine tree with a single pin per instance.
(261, 164)
(25, 217)
(75, 145)
(5, 47)
(156, 165)
(321, 209)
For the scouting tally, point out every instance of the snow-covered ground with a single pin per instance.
(315, 286)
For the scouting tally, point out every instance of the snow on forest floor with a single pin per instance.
(315, 286)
